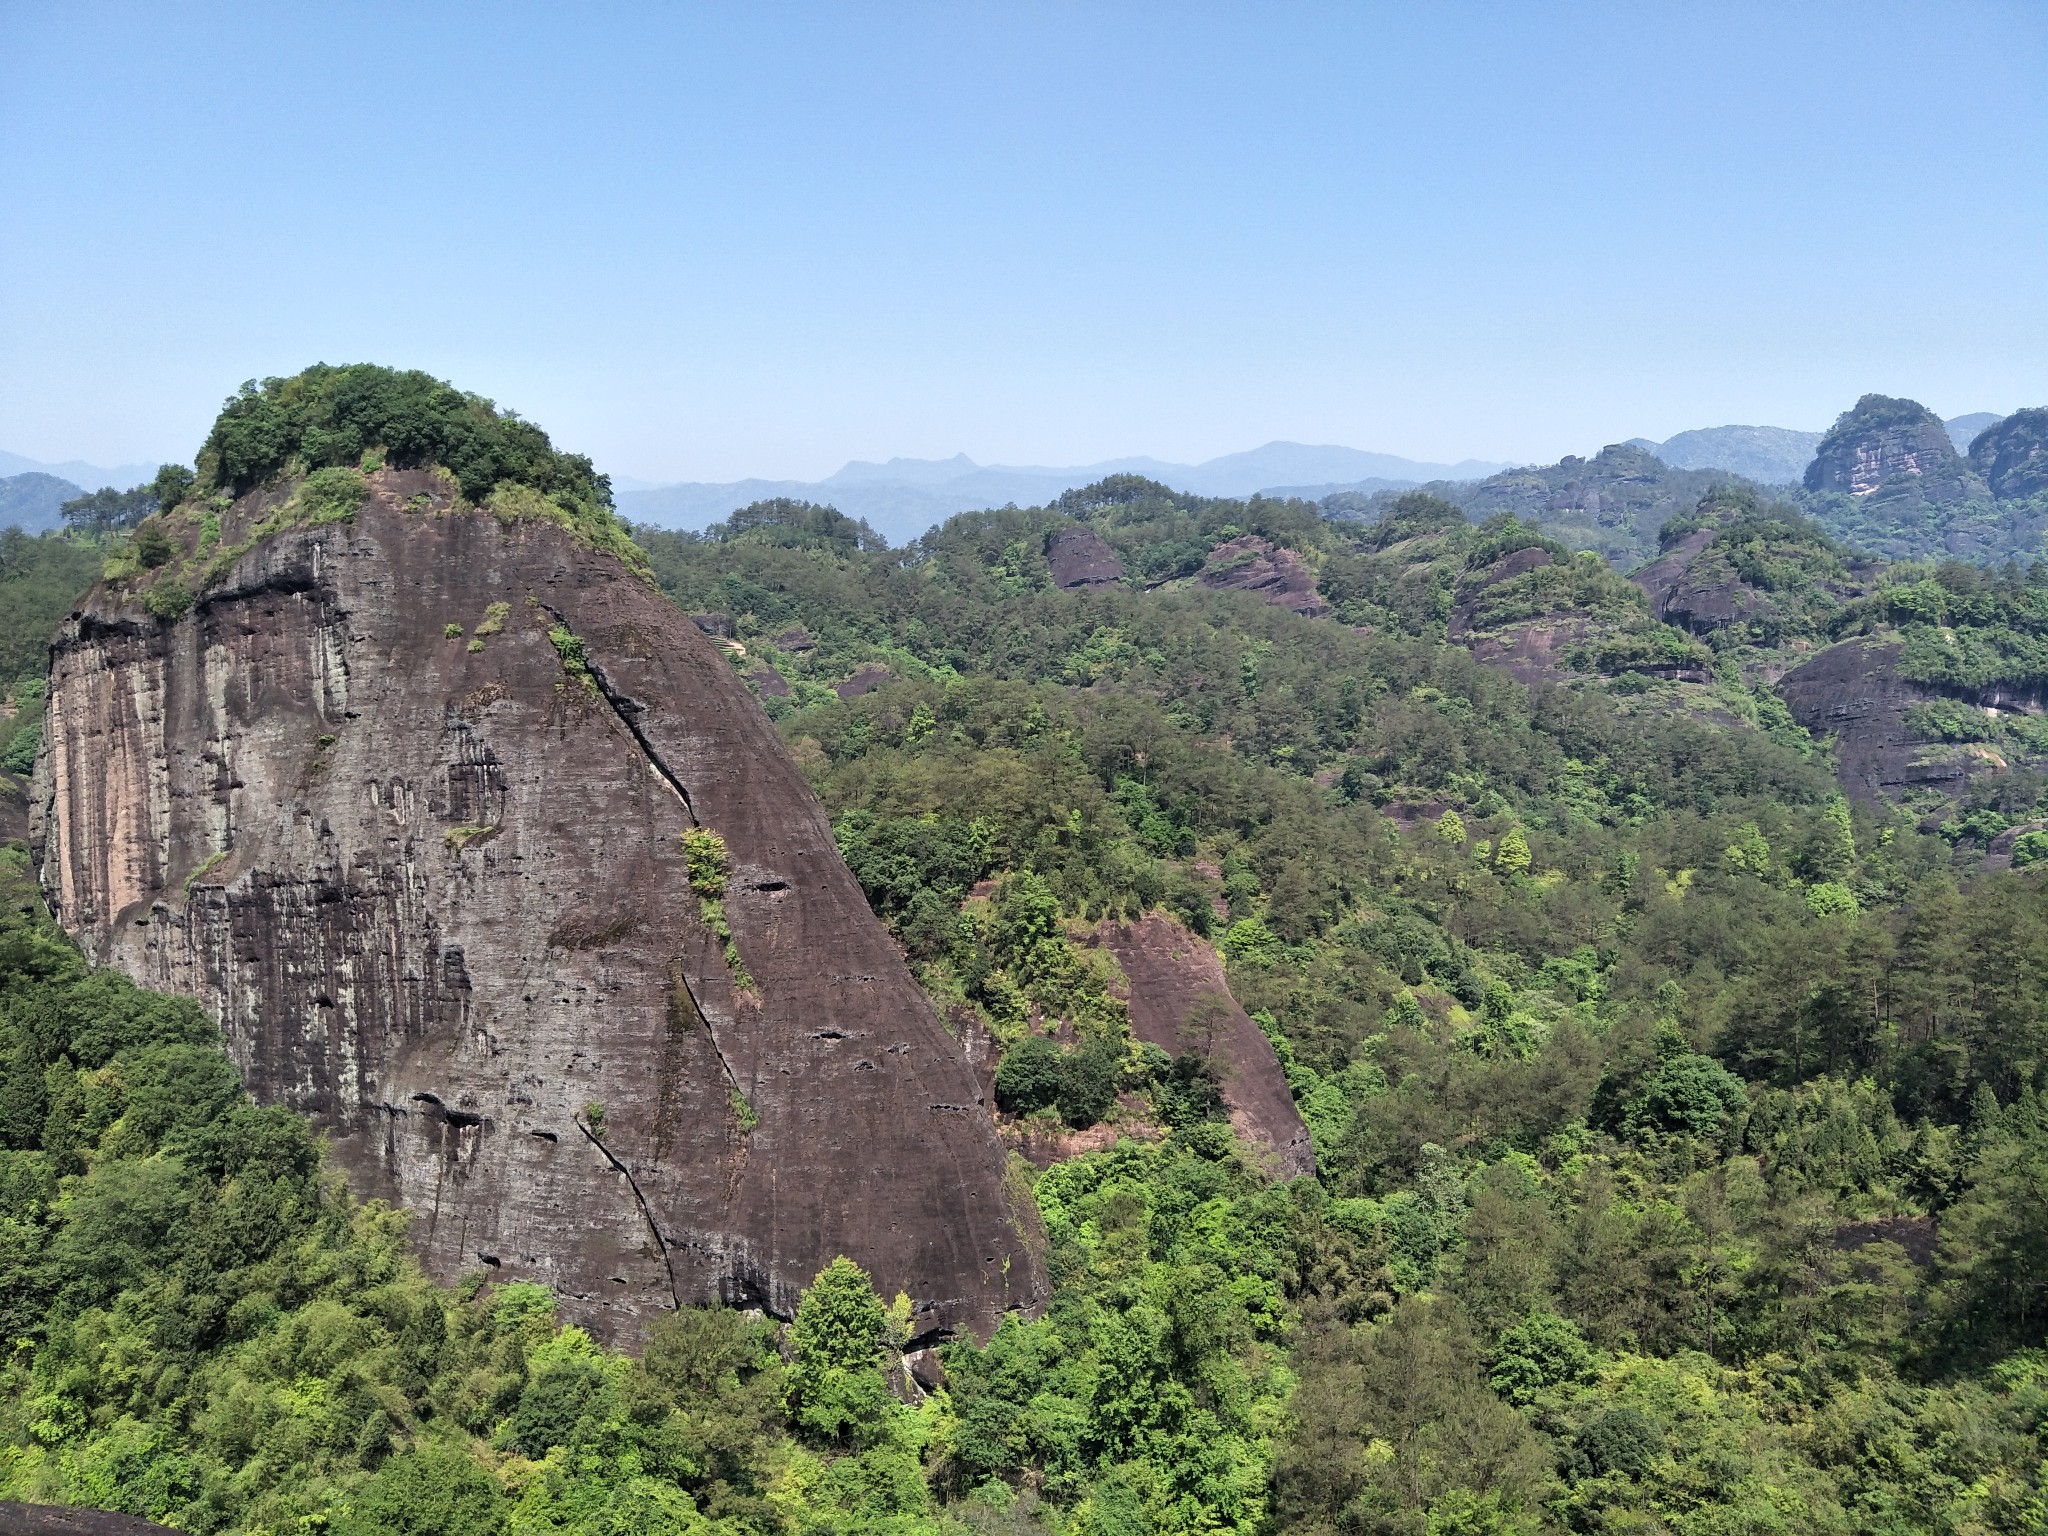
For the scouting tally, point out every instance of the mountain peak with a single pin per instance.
(1885, 441)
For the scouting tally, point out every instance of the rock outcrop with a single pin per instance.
(65, 1520)
(1852, 691)
(434, 886)
(1280, 576)
(2012, 455)
(1080, 557)
(1180, 1003)
(1886, 442)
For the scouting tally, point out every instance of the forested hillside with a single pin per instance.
(1679, 1157)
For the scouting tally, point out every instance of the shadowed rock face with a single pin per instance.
(1079, 557)
(2012, 455)
(438, 900)
(62, 1520)
(1180, 1003)
(1853, 692)
(1697, 602)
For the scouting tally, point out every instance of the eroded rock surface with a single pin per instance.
(2012, 454)
(64, 1520)
(1853, 692)
(1180, 1003)
(433, 886)
(1883, 441)
(1079, 557)
(1252, 564)
(1698, 600)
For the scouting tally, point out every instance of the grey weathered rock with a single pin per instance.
(438, 899)
(1853, 692)
(1080, 557)
(65, 1520)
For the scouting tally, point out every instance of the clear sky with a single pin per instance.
(709, 242)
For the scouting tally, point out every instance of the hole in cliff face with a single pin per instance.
(490, 1259)
(828, 1034)
(461, 1119)
(772, 886)
(863, 1066)
(427, 1098)
(544, 1136)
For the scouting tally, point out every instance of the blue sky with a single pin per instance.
(720, 241)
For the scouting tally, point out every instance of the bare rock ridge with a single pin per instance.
(434, 888)
(1180, 1003)
(1279, 576)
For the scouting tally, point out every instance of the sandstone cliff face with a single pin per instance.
(434, 889)
(1279, 576)
(1852, 691)
(1180, 1003)
(1886, 441)
(2012, 455)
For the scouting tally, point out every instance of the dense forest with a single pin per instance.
(1680, 1156)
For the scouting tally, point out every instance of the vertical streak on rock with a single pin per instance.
(625, 716)
(660, 1242)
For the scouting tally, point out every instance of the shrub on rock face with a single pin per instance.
(1028, 1076)
(1623, 1441)
(1036, 1074)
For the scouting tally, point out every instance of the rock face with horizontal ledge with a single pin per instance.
(433, 886)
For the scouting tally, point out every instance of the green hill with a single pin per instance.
(1677, 1127)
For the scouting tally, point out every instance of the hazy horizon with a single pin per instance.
(702, 245)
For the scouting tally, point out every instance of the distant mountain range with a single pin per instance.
(1773, 455)
(902, 498)
(31, 501)
(78, 472)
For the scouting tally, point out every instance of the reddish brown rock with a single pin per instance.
(1884, 442)
(1252, 564)
(1532, 652)
(438, 900)
(1180, 1003)
(1518, 563)
(1079, 558)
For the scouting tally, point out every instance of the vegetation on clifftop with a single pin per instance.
(323, 435)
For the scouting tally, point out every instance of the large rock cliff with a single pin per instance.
(1886, 442)
(434, 886)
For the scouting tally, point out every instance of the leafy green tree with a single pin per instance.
(837, 1390)
(433, 1491)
